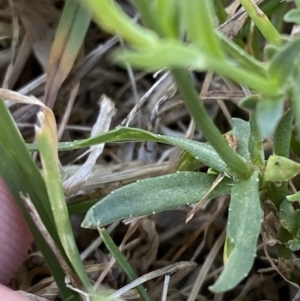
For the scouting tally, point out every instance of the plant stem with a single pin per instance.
(237, 164)
(220, 11)
(262, 22)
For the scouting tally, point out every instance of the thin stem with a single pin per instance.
(194, 104)
(220, 11)
(262, 22)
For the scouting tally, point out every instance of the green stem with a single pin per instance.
(262, 22)
(220, 11)
(194, 104)
(149, 13)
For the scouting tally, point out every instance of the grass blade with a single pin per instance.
(47, 141)
(120, 258)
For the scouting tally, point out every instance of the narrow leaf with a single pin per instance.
(153, 195)
(121, 259)
(283, 62)
(168, 14)
(167, 53)
(282, 135)
(199, 19)
(112, 18)
(243, 228)
(201, 151)
(68, 40)
(22, 175)
(47, 141)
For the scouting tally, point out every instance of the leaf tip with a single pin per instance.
(88, 221)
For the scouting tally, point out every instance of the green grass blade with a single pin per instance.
(284, 62)
(112, 18)
(199, 19)
(149, 11)
(47, 142)
(242, 57)
(121, 259)
(220, 11)
(201, 151)
(69, 37)
(262, 22)
(22, 175)
(169, 17)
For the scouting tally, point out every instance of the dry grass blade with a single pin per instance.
(171, 269)
(44, 14)
(72, 185)
(206, 266)
(32, 297)
(35, 217)
(16, 32)
(71, 31)
(218, 180)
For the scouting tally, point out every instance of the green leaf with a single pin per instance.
(166, 53)
(281, 169)
(281, 147)
(69, 37)
(249, 102)
(284, 61)
(243, 228)
(201, 151)
(198, 16)
(112, 18)
(22, 175)
(293, 197)
(289, 218)
(148, 11)
(168, 15)
(47, 141)
(241, 130)
(294, 244)
(268, 113)
(220, 11)
(295, 92)
(262, 22)
(122, 261)
(153, 195)
(242, 57)
(282, 135)
(292, 16)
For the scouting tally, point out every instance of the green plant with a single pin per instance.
(179, 35)
(249, 180)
